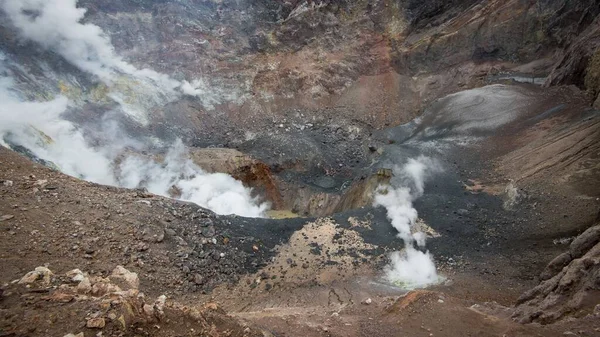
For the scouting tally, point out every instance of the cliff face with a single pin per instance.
(377, 62)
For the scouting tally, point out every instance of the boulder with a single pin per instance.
(40, 273)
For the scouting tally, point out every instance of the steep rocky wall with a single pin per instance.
(574, 66)
(570, 284)
(261, 58)
(377, 62)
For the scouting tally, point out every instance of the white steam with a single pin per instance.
(410, 268)
(56, 25)
(38, 127)
(216, 191)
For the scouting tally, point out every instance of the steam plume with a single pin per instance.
(38, 126)
(411, 268)
(56, 25)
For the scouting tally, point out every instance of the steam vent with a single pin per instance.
(299, 168)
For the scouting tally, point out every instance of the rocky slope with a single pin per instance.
(570, 284)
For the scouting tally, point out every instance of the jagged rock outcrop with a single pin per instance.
(570, 286)
(580, 65)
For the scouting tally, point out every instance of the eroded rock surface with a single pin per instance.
(570, 286)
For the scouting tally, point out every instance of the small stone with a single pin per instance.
(6, 217)
(367, 301)
(198, 279)
(73, 335)
(95, 323)
(7, 183)
(462, 212)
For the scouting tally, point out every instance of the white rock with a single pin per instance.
(159, 304)
(84, 286)
(125, 278)
(39, 273)
(368, 301)
(148, 310)
(76, 275)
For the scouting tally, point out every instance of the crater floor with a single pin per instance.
(519, 181)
